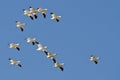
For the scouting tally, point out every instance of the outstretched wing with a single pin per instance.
(18, 48)
(54, 60)
(45, 52)
(35, 16)
(57, 20)
(33, 43)
(61, 68)
(31, 17)
(21, 29)
(44, 15)
(19, 65)
(36, 42)
(95, 62)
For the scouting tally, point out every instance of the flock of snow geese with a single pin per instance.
(33, 14)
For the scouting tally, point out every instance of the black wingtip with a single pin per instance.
(46, 52)
(54, 60)
(36, 42)
(19, 65)
(35, 16)
(96, 62)
(33, 43)
(18, 48)
(31, 17)
(44, 15)
(57, 20)
(21, 29)
(61, 68)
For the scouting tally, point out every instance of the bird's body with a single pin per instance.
(13, 45)
(55, 17)
(32, 40)
(58, 65)
(43, 11)
(94, 59)
(51, 56)
(20, 25)
(34, 12)
(41, 48)
(14, 62)
(28, 13)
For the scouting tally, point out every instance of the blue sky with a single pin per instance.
(86, 27)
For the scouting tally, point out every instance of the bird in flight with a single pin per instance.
(14, 62)
(41, 48)
(50, 55)
(20, 25)
(94, 59)
(13, 45)
(34, 12)
(32, 40)
(59, 65)
(43, 11)
(28, 13)
(55, 17)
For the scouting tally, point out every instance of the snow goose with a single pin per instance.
(58, 65)
(14, 62)
(50, 55)
(12, 45)
(20, 25)
(32, 40)
(34, 12)
(94, 59)
(43, 11)
(41, 48)
(28, 13)
(55, 17)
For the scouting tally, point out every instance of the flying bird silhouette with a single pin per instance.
(14, 62)
(32, 40)
(34, 12)
(94, 59)
(13, 45)
(20, 25)
(60, 66)
(28, 13)
(55, 17)
(43, 11)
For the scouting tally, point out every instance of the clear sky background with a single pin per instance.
(87, 27)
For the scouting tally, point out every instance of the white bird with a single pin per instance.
(34, 12)
(94, 59)
(55, 17)
(12, 45)
(50, 55)
(41, 48)
(20, 25)
(28, 13)
(58, 65)
(32, 40)
(14, 62)
(43, 11)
